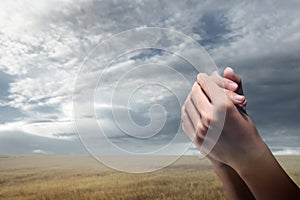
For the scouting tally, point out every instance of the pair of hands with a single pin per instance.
(240, 158)
(239, 141)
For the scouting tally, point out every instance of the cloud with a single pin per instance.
(40, 151)
(18, 143)
(47, 128)
(286, 151)
(58, 130)
(43, 44)
(258, 32)
(10, 127)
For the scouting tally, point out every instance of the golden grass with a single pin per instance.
(81, 177)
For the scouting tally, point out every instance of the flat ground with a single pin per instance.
(82, 177)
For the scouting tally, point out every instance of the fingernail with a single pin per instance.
(232, 86)
(229, 68)
(239, 97)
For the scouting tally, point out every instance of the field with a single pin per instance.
(82, 177)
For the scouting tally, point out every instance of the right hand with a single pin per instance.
(233, 84)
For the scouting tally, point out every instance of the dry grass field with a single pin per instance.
(81, 177)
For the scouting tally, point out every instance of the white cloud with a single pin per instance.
(40, 151)
(58, 130)
(11, 127)
(287, 151)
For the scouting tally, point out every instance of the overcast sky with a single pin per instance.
(43, 44)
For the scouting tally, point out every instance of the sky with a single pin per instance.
(46, 63)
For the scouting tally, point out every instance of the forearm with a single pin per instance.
(234, 186)
(266, 179)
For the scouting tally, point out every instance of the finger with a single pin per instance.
(187, 125)
(201, 130)
(198, 141)
(210, 88)
(230, 74)
(224, 82)
(244, 104)
(188, 128)
(200, 100)
(230, 87)
(192, 113)
(235, 98)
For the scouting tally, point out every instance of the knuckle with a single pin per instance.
(183, 110)
(206, 118)
(205, 114)
(187, 106)
(229, 94)
(197, 140)
(200, 78)
(201, 74)
(194, 88)
(207, 121)
(183, 118)
(186, 110)
(201, 130)
(245, 102)
(184, 128)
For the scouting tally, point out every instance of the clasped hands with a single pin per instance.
(239, 141)
(240, 158)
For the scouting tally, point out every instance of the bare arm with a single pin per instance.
(266, 178)
(233, 184)
(239, 145)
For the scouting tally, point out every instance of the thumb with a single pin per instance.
(230, 74)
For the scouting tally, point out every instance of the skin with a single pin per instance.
(233, 184)
(240, 157)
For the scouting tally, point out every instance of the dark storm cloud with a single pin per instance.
(212, 27)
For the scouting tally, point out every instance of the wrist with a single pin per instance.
(251, 164)
(255, 153)
(220, 167)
